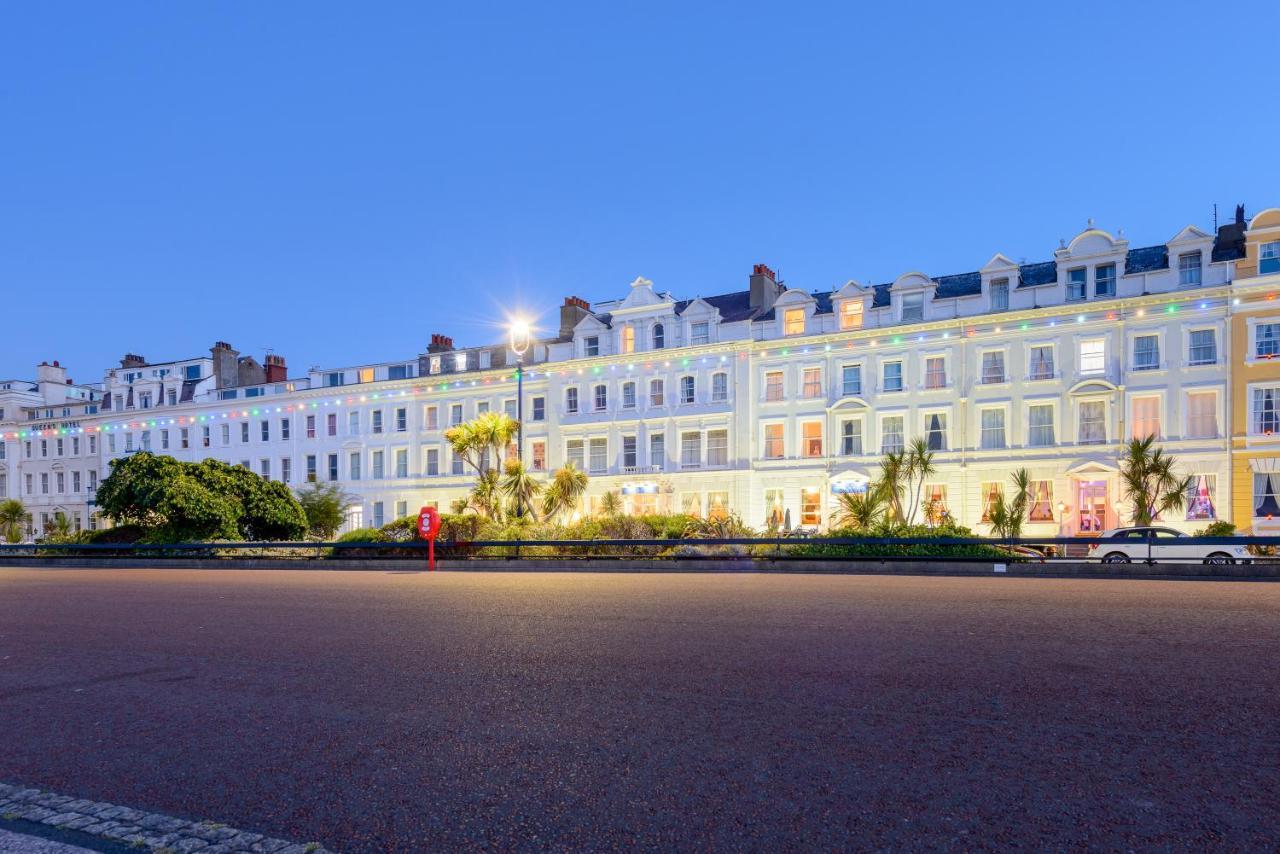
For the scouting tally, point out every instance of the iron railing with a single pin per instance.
(1032, 550)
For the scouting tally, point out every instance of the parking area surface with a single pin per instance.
(405, 711)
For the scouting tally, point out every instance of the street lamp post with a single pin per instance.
(520, 345)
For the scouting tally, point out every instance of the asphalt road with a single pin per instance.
(407, 712)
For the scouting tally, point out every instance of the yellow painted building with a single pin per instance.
(1255, 378)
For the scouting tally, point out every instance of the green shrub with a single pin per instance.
(401, 530)
(671, 526)
(1217, 529)
(801, 548)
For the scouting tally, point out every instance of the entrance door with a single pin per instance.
(1091, 504)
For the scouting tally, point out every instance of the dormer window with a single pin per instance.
(1077, 283)
(851, 314)
(460, 362)
(591, 345)
(793, 321)
(999, 294)
(700, 333)
(1189, 269)
(659, 336)
(912, 308)
(628, 339)
(434, 366)
(1104, 280)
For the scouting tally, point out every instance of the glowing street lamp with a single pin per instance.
(521, 336)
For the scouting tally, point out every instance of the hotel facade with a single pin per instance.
(768, 402)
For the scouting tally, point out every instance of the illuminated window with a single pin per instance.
(1146, 417)
(793, 321)
(1202, 415)
(935, 372)
(811, 438)
(992, 493)
(934, 500)
(773, 442)
(1041, 501)
(460, 362)
(539, 455)
(851, 314)
(691, 504)
(1093, 356)
(812, 386)
(717, 505)
(773, 386)
(810, 507)
(775, 513)
(655, 392)
(366, 375)
(628, 339)
(1202, 497)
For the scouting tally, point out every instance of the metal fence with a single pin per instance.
(1149, 550)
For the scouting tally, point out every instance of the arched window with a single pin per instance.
(659, 337)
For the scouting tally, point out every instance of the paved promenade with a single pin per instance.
(399, 711)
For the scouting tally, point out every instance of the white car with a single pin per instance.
(1127, 545)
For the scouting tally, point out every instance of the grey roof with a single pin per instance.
(1040, 273)
(733, 307)
(961, 285)
(1146, 259)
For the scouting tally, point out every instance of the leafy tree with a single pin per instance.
(324, 507)
(564, 491)
(175, 501)
(13, 520)
(1148, 480)
(483, 441)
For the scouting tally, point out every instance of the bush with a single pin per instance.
(873, 550)
(1217, 529)
(671, 526)
(401, 530)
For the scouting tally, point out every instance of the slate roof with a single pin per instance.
(733, 307)
(1040, 273)
(1146, 259)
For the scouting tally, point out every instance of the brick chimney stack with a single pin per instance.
(132, 360)
(571, 314)
(440, 343)
(275, 368)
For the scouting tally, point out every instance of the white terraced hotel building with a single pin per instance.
(766, 402)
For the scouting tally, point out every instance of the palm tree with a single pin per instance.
(486, 495)
(917, 466)
(13, 519)
(862, 511)
(60, 528)
(482, 442)
(1148, 480)
(611, 504)
(521, 488)
(892, 472)
(564, 491)
(1007, 516)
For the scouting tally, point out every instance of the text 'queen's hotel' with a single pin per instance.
(766, 402)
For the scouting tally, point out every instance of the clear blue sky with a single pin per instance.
(338, 180)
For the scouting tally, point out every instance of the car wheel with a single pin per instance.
(1219, 559)
(1116, 557)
